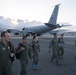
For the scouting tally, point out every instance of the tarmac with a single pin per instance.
(45, 67)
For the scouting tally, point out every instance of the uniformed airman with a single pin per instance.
(54, 45)
(6, 54)
(25, 53)
(35, 52)
(61, 47)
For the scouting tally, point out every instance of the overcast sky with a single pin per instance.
(39, 10)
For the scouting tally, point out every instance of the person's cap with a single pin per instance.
(34, 37)
(55, 34)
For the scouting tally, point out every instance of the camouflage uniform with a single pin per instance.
(35, 47)
(24, 57)
(54, 45)
(5, 59)
(61, 48)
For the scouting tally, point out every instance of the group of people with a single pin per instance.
(27, 51)
(24, 50)
(57, 48)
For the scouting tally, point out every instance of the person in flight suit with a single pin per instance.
(35, 47)
(54, 45)
(61, 48)
(6, 53)
(25, 53)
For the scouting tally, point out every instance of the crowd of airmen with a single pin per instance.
(26, 51)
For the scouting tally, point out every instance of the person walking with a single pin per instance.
(6, 54)
(61, 47)
(24, 51)
(35, 46)
(54, 46)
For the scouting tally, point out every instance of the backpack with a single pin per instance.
(16, 49)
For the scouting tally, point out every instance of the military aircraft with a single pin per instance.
(39, 30)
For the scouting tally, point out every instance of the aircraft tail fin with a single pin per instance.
(53, 18)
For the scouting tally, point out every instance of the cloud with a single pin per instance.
(19, 20)
(6, 22)
(1, 17)
(18, 24)
(25, 23)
